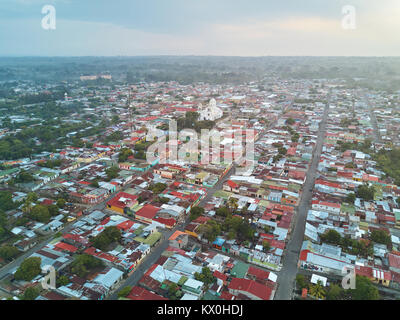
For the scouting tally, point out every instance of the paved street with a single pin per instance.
(163, 245)
(288, 273)
(155, 253)
(9, 267)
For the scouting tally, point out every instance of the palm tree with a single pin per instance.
(27, 207)
(233, 204)
(317, 291)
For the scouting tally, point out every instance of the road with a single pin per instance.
(151, 258)
(157, 251)
(15, 263)
(288, 272)
(163, 245)
(374, 122)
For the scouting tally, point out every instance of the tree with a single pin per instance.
(301, 281)
(282, 151)
(105, 238)
(95, 184)
(317, 290)
(332, 236)
(222, 212)
(124, 292)
(29, 269)
(210, 230)
(350, 165)
(115, 119)
(380, 236)
(365, 192)
(290, 121)
(30, 293)
(24, 177)
(124, 154)
(266, 246)
(350, 198)
(233, 204)
(172, 291)
(40, 213)
(8, 252)
(196, 212)
(335, 292)
(62, 281)
(53, 210)
(295, 137)
(84, 263)
(158, 188)
(112, 172)
(365, 290)
(61, 203)
(205, 276)
(6, 202)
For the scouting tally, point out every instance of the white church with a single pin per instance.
(211, 112)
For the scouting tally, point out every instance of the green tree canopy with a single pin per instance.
(84, 264)
(28, 269)
(8, 252)
(365, 290)
(40, 213)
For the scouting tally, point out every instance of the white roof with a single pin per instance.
(272, 277)
(110, 278)
(315, 278)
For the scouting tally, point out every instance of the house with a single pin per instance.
(109, 278)
(193, 286)
(147, 213)
(231, 186)
(218, 243)
(25, 245)
(326, 206)
(377, 276)
(251, 289)
(394, 262)
(122, 202)
(179, 239)
(139, 293)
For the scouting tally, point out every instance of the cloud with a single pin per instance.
(288, 33)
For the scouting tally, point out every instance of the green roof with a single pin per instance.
(151, 239)
(8, 171)
(347, 208)
(240, 269)
(223, 194)
(208, 296)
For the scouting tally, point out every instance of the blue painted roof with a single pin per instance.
(219, 241)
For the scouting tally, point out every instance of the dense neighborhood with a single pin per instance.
(318, 196)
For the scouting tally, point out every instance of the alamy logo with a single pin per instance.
(349, 18)
(349, 280)
(49, 20)
(49, 281)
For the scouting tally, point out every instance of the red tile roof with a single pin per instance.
(115, 202)
(62, 246)
(257, 289)
(220, 275)
(148, 211)
(259, 274)
(139, 293)
(394, 261)
(168, 222)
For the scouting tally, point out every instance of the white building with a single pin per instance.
(211, 113)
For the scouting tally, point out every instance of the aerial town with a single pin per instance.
(316, 200)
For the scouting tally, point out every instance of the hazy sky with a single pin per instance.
(200, 27)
